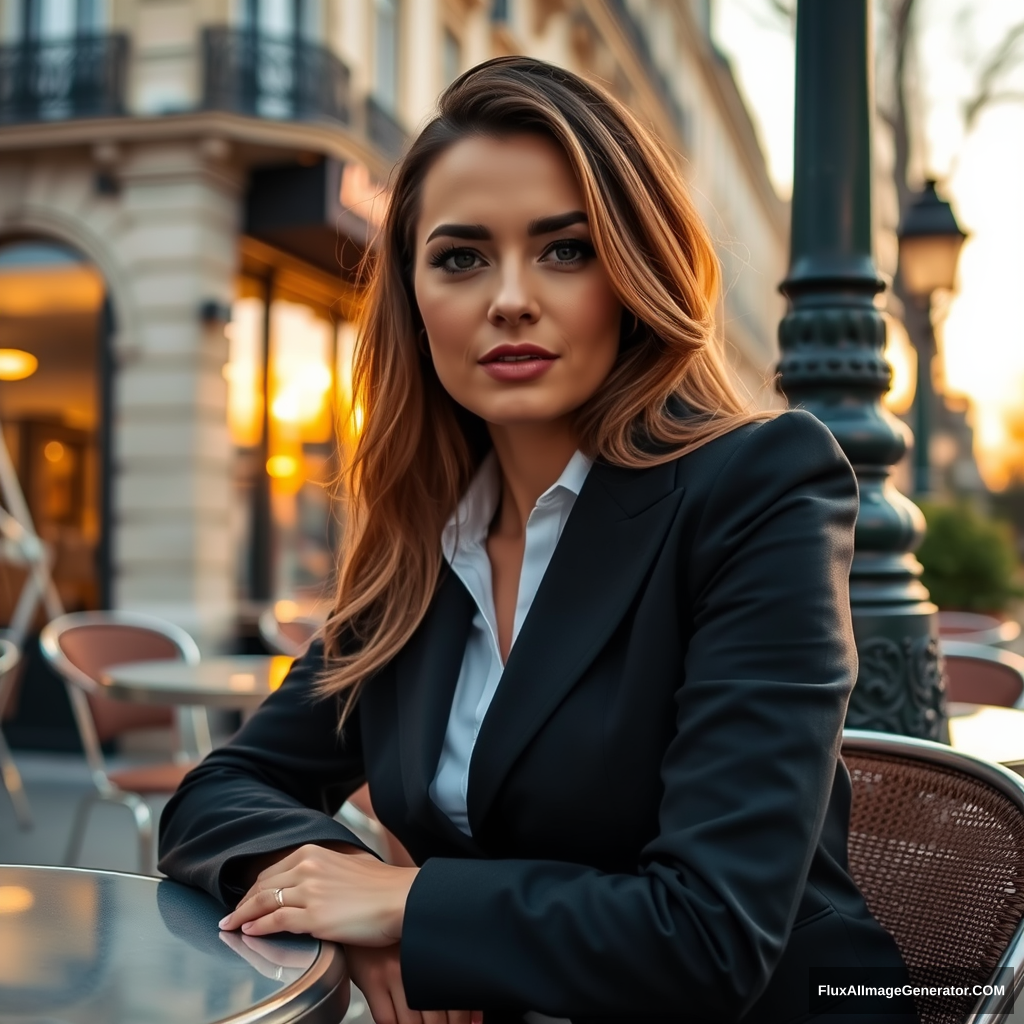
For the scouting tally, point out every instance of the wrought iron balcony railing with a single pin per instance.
(271, 76)
(52, 80)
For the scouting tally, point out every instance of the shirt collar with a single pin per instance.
(468, 526)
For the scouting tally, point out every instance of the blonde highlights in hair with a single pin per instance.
(418, 449)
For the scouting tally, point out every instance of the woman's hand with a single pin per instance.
(377, 973)
(339, 897)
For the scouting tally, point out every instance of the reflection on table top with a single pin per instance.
(100, 947)
(989, 732)
(243, 681)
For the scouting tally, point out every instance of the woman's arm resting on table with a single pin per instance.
(272, 789)
(747, 780)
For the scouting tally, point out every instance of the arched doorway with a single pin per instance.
(55, 324)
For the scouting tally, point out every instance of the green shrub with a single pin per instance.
(970, 561)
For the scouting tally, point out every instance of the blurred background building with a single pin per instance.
(186, 188)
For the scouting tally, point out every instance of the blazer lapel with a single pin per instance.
(614, 532)
(426, 672)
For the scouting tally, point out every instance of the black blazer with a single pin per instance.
(659, 819)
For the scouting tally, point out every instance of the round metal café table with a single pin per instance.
(100, 947)
(241, 682)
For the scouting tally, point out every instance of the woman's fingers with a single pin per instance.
(260, 902)
(290, 919)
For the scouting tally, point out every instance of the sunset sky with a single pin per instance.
(980, 172)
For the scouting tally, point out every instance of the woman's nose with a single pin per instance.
(514, 302)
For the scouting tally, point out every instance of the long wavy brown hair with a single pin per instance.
(417, 448)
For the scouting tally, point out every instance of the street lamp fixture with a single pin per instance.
(930, 242)
(833, 365)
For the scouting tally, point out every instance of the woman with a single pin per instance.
(591, 646)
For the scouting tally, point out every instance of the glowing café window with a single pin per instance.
(300, 377)
(244, 372)
(300, 371)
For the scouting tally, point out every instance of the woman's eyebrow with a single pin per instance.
(541, 226)
(477, 232)
(546, 225)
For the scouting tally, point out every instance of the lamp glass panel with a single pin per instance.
(928, 262)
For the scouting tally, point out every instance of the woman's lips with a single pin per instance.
(517, 369)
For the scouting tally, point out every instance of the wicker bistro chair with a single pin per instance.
(937, 847)
(10, 658)
(980, 674)
(79, 647)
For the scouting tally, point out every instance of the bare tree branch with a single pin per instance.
(1004, 57)
(784, 8)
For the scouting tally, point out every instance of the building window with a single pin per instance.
(60, 19)
(284, 18)
(308, 398)
(386, 54)
(451, 57)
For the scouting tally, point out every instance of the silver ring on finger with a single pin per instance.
(279, 896)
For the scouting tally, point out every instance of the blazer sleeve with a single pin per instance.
(276, 784)
(747, 779)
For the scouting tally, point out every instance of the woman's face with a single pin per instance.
(521, 319)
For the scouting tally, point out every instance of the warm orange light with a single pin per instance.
(15, 899)
(300, 373)
(361, 194)
(53, 451)
(16, 364)
(244, 372)
(902, 357)
(281, 467)
(50, 291)
(279, 666)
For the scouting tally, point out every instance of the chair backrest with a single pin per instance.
(81, 645)
(977, 628)
(979, 674)
(937, 848)
(286, 636)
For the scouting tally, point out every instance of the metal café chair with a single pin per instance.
(10, 658)
(291, 636)
(980, 674)
(937, 848)
(79, 647)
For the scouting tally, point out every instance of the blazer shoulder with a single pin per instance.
(793, 441)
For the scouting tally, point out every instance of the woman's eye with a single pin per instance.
(455, 261)
(570, 252)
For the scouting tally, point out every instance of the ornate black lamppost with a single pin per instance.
(930, 243)
(832, 365)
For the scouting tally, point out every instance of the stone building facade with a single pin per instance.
(178, 179)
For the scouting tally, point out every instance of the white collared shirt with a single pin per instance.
(464, 542)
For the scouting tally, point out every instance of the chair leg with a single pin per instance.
(144, 826)
(15, 787)
(140, 812)
(74, 847)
